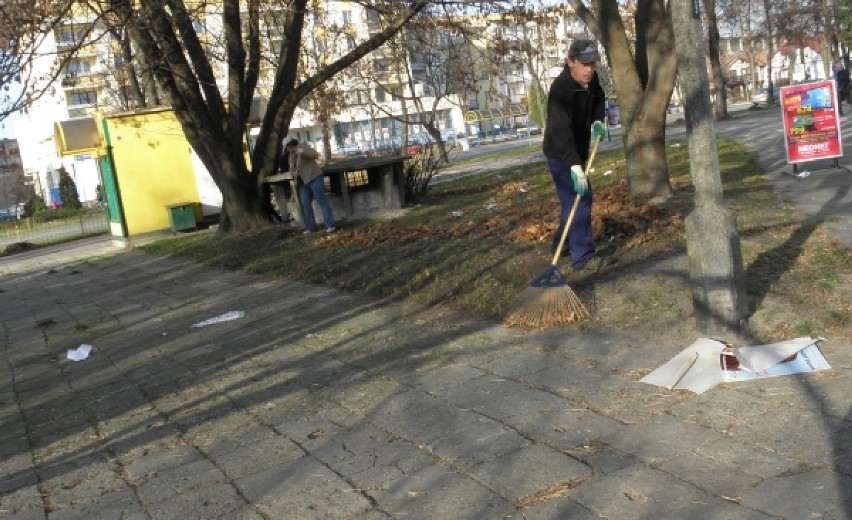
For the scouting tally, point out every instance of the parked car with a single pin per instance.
(531, 129)
(350, 150)
(416, 142)
(5, 215)
(762, 96)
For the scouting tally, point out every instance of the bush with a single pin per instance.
(48, 215)
(419, 171)
(34, 205)
(68, 191)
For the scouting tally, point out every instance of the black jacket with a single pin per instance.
(571, 109)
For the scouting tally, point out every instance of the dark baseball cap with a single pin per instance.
(584, 50)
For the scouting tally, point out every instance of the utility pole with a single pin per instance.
(713, 245)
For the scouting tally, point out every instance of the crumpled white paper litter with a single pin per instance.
(801, 175)
(80, 353)
(228, 316)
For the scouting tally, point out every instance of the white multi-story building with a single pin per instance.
(80, 89)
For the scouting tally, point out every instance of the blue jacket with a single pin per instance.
(571, 109)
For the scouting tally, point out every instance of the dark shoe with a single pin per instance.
(596, 263)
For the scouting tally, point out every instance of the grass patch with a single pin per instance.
(479, 261)
(497, 154)
(19, 247)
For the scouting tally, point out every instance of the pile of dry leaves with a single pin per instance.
(614, 218)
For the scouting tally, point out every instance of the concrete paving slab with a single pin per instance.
(642, 492)
(528, 471)
(438, 492)
(815, 494)
(303, 488)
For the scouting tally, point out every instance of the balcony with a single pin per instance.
(89, 79)
(70, 80)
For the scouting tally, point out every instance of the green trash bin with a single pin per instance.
(182, 216)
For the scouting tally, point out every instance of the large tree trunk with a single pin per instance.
(242, 206)
(643, 83)
(645, 154)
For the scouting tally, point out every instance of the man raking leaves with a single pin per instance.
(575, 110)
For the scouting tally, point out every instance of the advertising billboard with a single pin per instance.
(811, 124)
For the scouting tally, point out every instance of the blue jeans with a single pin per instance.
(580, 240)
(315, 190)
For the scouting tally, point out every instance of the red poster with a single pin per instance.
(811, 125)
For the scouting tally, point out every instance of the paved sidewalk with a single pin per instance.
(318, 404)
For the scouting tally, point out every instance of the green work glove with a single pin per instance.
(598, 131)
(581, 182)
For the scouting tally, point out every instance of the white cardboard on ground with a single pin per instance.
(704, 373)
(698, 374)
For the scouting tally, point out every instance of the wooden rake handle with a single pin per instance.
(564, 236)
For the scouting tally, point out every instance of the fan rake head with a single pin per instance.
(548, 302)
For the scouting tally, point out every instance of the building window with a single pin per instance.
(357, 97)
(347, 16)
(373, 16)
(380, 94)
(78, 67)
(71, 36)
(87, 97)
(199, 27)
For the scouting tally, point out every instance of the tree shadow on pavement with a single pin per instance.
(766, 270)
(761, 275)
(153, 382)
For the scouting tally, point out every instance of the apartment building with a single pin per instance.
(513, 53)
(84, 86)
(15, 187)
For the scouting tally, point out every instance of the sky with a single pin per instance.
(7, 125)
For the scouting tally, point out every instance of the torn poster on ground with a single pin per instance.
(708, 362)
(798, 356)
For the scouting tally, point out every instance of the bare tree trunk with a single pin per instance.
(645, 154)
(138, 96)
(242, 207)
(767, 9)
(149, 84)
(326, 135)
(644, 87)
(720, 108)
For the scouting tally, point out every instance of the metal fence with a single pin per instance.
(28, 230)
